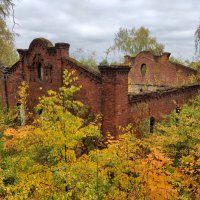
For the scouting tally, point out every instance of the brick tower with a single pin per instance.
(114, 97)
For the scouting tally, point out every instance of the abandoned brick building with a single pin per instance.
(143, 87)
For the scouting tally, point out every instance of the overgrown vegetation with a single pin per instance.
(8, 54)
(59, 156)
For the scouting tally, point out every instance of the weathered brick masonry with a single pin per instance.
(145, 86)
(159, 103)
(150, 71)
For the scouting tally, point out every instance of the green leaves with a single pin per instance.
(8, 54)
(132, 41)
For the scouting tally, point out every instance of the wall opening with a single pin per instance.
(18, 105)
(151, 124)
(40, 72)
(40, 111)
(178, 110)
(143, 69)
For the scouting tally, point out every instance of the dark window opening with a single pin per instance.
(18, 105)
(40, 72)
(151, 124)
(143, 69)
(46, 75)
(176, 118)
(178, 110)
(39, 112)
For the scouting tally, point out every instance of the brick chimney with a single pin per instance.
(165, 56)
(62, 49)
(127, 59)
(114, 97)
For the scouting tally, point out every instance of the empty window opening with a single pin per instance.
(176, 118)
(18, 105)
(143, 69)
(178, 110)
(151, 124)
(40, 72)
(39, 112)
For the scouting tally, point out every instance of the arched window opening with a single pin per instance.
(143, 69)
(40, 72)
(151, 124)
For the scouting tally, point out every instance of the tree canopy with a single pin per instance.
(5, 6)
(56, 157)
(132, 41)
(7, 50)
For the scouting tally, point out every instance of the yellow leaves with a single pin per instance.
(22, 100)
(126, 169)
(70, 155)
(50, 164)
(23, 92)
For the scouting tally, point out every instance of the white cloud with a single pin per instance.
(92, 23)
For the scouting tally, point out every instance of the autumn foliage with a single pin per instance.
(59, 156)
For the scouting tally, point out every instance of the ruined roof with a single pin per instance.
(183, 66)
(92, 71)
(134, 98)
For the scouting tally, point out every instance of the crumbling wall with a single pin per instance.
(158, 104)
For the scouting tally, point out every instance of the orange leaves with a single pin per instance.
(12, 137)
(156, 182)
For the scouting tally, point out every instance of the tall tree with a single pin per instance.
(7, 50)
(197, 40)
(5, 6)
(132, 41)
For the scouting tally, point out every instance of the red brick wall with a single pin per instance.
(114, 98)
(51, 59)
(160, 71)
(12, 83)
(105, 93)
(90, 93)
(157, 105)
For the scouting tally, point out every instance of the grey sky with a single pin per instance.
(91, 24)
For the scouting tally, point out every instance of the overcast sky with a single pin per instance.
(91, 24)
